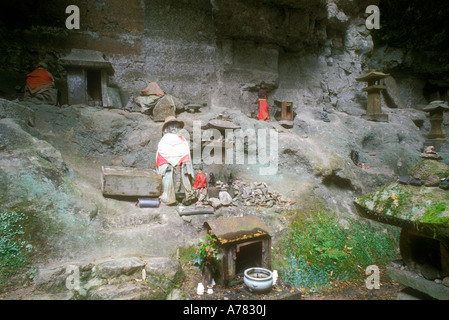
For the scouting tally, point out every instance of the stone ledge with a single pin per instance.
(413, 280)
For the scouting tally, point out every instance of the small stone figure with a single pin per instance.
(263, 105)
(324, 115)
(230, 180)
(200, 185)
(173, 153)
(40, 86)
(429, 153)
(212, 179)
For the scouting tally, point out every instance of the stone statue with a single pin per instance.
(173, 154)
(200, 185)
(212, 181)
(324, 115)
(230, 180)
(40, 86)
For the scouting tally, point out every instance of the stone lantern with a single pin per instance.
(436, 134)
(87, 79)
(374, 88)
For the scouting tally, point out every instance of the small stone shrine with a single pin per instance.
(286, 109)
(87, 79)
(420, 211)
(436, 135)
(374, 88)
(244, 243)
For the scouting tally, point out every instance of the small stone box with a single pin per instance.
(244, 242)
(130, 182)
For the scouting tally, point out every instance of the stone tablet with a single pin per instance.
(166, 106)
(132, 182)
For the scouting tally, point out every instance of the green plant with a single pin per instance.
(319, 250)
(207, 254)
(13, 253)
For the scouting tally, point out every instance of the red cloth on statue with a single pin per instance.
(37, 79)
(200, 181)
(173, 149)
(263, 110)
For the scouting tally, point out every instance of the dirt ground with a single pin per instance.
(348, 290)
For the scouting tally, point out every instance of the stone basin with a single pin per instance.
(258, 280)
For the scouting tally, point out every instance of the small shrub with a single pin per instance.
(319, 250)
(207, 254)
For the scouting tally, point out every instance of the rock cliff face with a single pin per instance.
(214, 52)
(202, 51)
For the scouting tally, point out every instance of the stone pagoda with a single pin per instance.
(436, 135)
(374, 88)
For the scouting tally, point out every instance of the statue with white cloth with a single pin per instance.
(173, 155)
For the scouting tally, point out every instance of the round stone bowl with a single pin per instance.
(258, 280)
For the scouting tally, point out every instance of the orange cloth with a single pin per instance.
(200, 181)
(153, 89)
(39, 79)
(263, 110)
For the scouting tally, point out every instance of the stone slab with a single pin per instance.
(392, 94)
(166, 106)
(379, 117)
(120, 181)
(113, 99)
(76, 87)
(413, 280)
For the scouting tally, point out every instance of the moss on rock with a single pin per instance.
(406, 205)
(427, 168)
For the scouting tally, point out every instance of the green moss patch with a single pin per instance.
(427, 167)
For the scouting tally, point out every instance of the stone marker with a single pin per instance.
(133, 182)
(392, 94)
(374, 108)
(166, 106)
(429, 153)
(112, 98)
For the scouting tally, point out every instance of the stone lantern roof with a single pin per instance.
(90, 59)
(436, 106)
(372, 76)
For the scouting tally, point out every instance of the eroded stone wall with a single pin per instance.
(203, 51)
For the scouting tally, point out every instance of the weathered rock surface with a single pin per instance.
(127, 278)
